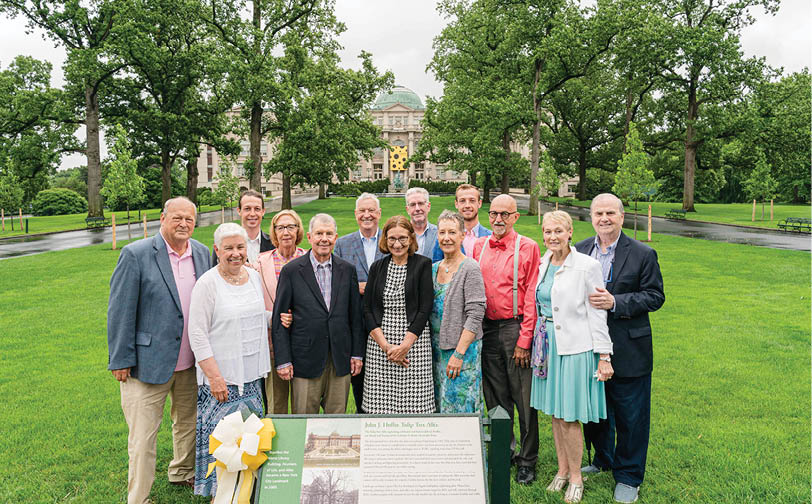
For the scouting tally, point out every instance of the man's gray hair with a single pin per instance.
(365, 196)
(227, 230)
(178, 199)
(607, 196)
(455, 217)
(417, 190)
(322, 218)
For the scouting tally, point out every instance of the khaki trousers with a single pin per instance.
(277, 392)
(328, 391)
(143, 406)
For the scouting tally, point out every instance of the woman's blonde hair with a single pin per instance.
(559, 216)
(299, 231)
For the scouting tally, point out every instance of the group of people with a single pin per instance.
(414, 317)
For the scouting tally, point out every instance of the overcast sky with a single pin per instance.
(399, 35)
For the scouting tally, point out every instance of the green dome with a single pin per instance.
(399, 94)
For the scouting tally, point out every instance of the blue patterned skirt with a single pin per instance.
(209, 413)
(463, 394)
(570, 391)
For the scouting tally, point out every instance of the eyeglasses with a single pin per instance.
(417, 204)
(504, 215)
(404, 240)
(289, 227)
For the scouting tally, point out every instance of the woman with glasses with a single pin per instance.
(397, 304)
(286, 233)
(571, 349)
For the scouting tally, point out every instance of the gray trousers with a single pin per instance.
(506, 385)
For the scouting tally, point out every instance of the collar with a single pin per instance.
(171, 251)
(610, 248)
(373, 239)
(507, 239)
(258, 239)
(315, 263)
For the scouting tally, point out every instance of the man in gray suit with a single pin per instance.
(148, 344)
(360, 248)
(418, 207)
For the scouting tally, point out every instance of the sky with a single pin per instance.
(400, 35)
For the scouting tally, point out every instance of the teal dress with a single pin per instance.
(570, 391)
(463, 394)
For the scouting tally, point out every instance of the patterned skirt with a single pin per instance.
(463, 394)
(209, 413)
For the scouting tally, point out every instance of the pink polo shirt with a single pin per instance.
(183, 269)
(497, 272)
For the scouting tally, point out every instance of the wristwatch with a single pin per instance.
(608, 358)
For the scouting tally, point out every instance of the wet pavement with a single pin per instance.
(702, 230)
(29, 245)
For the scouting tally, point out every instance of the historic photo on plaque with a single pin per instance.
(332, 443)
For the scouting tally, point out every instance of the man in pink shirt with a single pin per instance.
(148, 344)
(510, 318)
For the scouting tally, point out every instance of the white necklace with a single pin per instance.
(230, 278)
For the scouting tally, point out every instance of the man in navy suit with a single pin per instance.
(634, 288)
(360, 248)
(148, 344)
(325, 343)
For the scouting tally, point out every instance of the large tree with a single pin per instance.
(34, 124)
(702, 64)
(255, 34)
(84, 30)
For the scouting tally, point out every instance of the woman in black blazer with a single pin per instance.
(397, 308)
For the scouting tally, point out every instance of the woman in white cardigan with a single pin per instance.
(228, 333)
(571, 349)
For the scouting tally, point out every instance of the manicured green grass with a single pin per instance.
(739, 214)
(71, 222)
(730, 412)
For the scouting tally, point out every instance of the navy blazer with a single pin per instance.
(315, 328)
(350, 248)
(144, 315)
(419, 293)
(265, 244)
(637, 286)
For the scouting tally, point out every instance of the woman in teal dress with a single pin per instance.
(456, 322)
(571, 349)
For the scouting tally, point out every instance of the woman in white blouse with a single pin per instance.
(228, 333)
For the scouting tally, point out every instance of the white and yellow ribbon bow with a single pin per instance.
(238, 448)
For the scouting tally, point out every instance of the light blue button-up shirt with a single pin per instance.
(370, 245)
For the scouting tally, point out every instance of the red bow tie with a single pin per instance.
(497, 244)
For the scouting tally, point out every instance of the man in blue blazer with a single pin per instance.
(325, 343)
(418, 207)
(360, 248)
(148, 344)
(634, 288)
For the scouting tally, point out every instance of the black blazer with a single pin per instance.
(419, 293)
(315, 329)
(637, 286)
(265, 245)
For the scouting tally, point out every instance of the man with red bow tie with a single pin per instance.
(510, 265)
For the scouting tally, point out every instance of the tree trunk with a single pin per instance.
(322, 191)
(129, 236)
(534, 149)
(191, 179)
(582, 171)
(629, 103)
(166, 177)
(94, 203)
(486, 188)
(286, 201)
(255, 139)
(690, 153)
(635, 219)
(472, 178)
(506, 169)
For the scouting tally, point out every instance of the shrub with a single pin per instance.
(58, 202)
(356, 188)
(435, 187)
(204, 196)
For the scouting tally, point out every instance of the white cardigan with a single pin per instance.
(578, 326)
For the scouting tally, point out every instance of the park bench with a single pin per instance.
(97, 222)
(675, 213)
(800, 224)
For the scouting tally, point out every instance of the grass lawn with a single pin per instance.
(71, 222)
(723, 213)
(730, 412)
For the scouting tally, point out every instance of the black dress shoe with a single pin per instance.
(525, 475)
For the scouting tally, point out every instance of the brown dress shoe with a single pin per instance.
(185, 483)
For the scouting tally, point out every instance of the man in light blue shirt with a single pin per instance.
(418, 208)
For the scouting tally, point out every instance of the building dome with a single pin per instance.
(399, 94)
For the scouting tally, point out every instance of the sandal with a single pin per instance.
(558, 483)
(574, 493)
